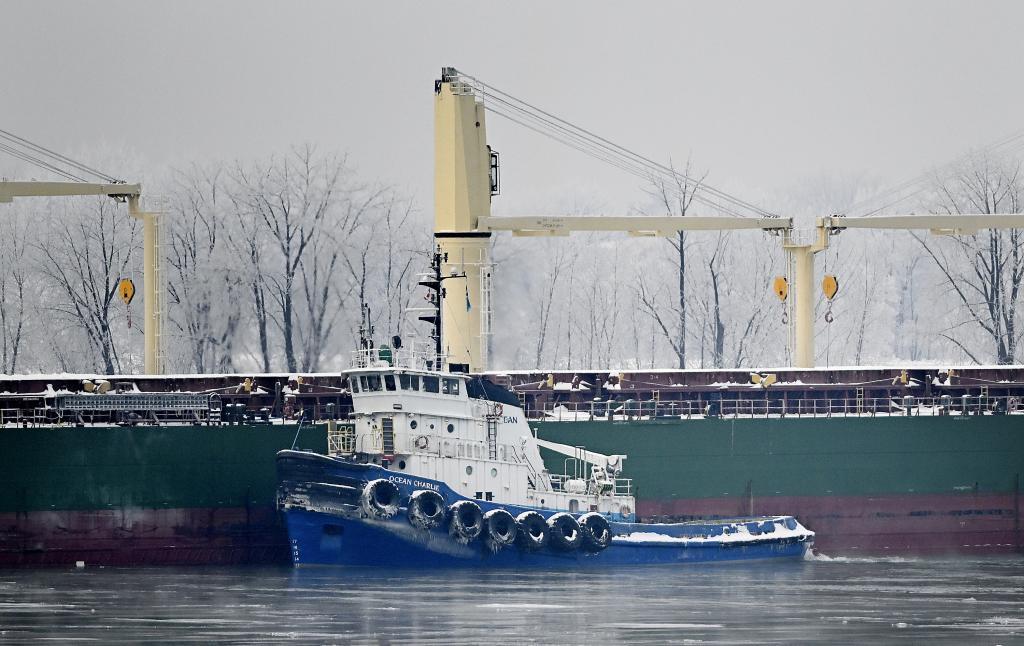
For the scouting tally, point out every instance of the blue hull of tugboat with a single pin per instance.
(323, 539)
(330, 530)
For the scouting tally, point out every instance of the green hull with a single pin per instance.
(170, 494)
(808, 456)
(908, 484)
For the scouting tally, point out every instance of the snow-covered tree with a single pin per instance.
(14, 288)
(87, 250)
(983, 272)
(205, 287)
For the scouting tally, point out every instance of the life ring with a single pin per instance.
(498, 410)
(533, 531)
(422, 442)
(501, 529)
(596, 531)
(467, 521)
(426, 509)
(564, 532)
(380, 499)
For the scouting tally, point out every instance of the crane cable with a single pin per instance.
(1010, 143)
(559, 129)
(610, 153)
(50, 160)
(624, 165)
(35, 161)
(601, 152)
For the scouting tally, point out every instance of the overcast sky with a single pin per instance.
(765, 95)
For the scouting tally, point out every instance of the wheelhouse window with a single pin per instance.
(409, 382)
(389, 382)
(373, 382)
(431, 384)
(450, 386)
(353, 384)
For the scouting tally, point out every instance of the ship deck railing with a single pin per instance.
(619, 486)
(21, 417)
(907, 406)
(341, 438)
(417, 355)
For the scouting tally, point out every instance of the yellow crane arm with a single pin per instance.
(960, 224)
(11, 190)
(640, 225)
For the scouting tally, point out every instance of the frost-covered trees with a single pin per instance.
(269, 261)
(295, 202)
(14, 290)
(266, 264)
(675, 196)
(86, 250)
(205, 290)
(984, 271)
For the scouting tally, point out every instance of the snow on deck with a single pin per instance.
(736, 533)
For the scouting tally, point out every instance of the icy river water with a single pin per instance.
(819, 601)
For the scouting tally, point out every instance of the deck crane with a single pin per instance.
(466, 177)
(119, 191)
(802, 258)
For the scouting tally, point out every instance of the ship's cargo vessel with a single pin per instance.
(131, 481)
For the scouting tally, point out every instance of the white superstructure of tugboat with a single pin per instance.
(472, 435)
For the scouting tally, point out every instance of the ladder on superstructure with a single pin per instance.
(485, 313)
(492, 437)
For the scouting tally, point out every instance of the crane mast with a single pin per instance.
(462, 195)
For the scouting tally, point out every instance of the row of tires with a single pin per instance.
(499, 528)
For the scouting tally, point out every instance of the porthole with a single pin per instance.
(494, 473)
(401, 465)
(451, 428)
(469, 471)
(413, 424)
(431, 427)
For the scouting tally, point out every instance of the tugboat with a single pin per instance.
(440, 468)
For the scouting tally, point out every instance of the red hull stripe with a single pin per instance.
(200, 536)
(904, 524)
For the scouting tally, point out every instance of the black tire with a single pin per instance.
(380, 499)
(595, 531)
(564, 532)
(467, 521)
(533, 531)
(427, 509)
(501, 528)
